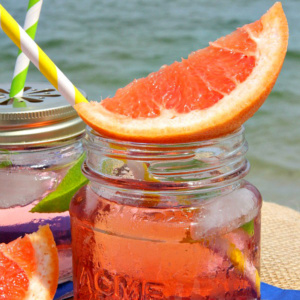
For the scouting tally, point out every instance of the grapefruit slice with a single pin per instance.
(29, 267)
(209, 94)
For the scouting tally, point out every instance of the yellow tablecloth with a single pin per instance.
(280, 246)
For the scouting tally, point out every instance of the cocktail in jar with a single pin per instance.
(39, 142)
(168, 213)
(166, 222)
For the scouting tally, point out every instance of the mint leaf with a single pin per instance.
(249, 227)
(5, 163)
(59, 200)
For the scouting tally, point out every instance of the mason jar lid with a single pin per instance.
(45, 116)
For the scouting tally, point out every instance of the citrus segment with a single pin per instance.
(29, 267)
(13, 280)
(211, 93)
(21, 252)
(240, 40)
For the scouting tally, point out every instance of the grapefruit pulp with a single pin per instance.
(29, 267)
(209, 94)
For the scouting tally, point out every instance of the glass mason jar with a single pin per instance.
(166, 221)
(40, 140)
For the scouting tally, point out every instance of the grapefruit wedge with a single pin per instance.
(209, 94)
(29, 267)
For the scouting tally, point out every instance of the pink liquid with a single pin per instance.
(21, 190)
(136, 252)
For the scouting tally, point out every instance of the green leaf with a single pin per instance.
(249, 227)
(59, 200)
(108, 165)
(5, 163)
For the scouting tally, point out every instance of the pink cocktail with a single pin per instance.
(39, 142)
(166, 222)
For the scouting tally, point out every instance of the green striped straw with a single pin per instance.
(39, 58)
(22, 62)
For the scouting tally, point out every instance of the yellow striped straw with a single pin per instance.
(38, 57)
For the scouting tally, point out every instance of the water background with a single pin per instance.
(103, 45)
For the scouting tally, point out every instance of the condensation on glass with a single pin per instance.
(40, 140)
(166, 221)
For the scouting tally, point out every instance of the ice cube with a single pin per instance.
(137, 168)
(225, 213)
(21, 186)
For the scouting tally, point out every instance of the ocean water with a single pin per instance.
(103, 45)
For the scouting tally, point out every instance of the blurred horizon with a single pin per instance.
(103, 45)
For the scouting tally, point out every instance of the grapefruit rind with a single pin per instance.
(224, 117)
(35, 258)
(44, 282)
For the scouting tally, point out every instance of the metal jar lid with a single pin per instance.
(44, 118)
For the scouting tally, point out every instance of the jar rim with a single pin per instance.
(97, 137)
(208, 163)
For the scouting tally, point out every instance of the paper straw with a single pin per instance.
(22, 62)
(38, 57)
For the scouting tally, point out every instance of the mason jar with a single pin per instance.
(166, 221)
(40, 140)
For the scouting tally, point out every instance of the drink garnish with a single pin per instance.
(59, 200)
